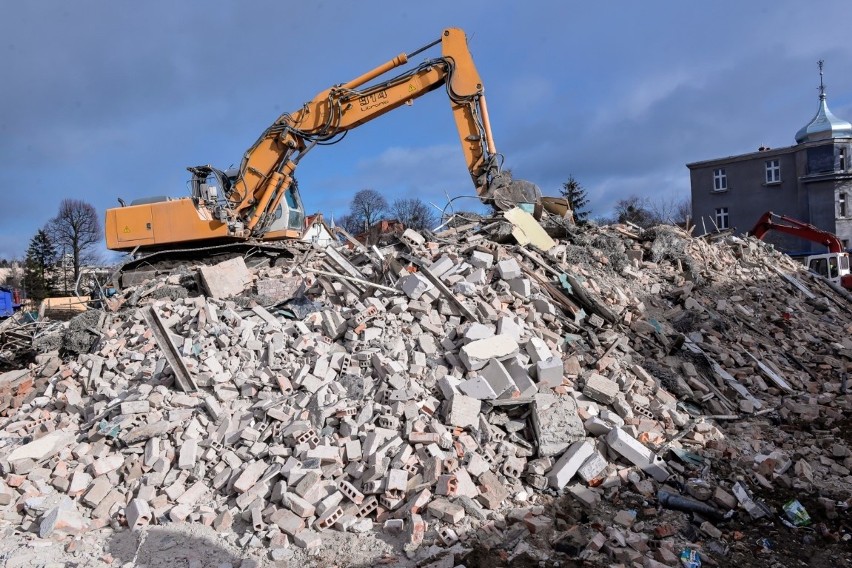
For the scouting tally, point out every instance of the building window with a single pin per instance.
(722, 218)
(720, 180)
(841, 201)
(773, 171)
(842, 159)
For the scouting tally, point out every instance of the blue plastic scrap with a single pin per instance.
(690, 558)
(563, 279)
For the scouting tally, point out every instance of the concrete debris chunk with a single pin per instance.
(556, 422)
(476, 354)
(43, 448)
(225, 279)
(569, 463)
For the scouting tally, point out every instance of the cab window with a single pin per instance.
(820, 266)
(832, 267)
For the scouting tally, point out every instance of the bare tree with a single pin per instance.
(671, 210)
(414, 213)
(636, 210)
(367, 207)
(76, 232)
(350, 224)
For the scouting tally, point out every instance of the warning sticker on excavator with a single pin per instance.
(126, 229)
(411, 88)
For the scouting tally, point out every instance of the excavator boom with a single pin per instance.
(770, 221)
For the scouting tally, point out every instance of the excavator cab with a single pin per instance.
(833, 266)
(290, 215)
(215, 189)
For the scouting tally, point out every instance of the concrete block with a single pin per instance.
(523, 382)
(63, 519)
(188, 454)
(601, 389)
(396, 480)
(138, 513)
(520, 286)
(466, 487)
(477, 331)
(413, 237)
(538, 350)
(414, 285)
(353, 450)
(477, 465)
(593, 467)
(550, 372)
(43, 448)
(350, 492)
(287, 521)
(499, 379)
(97, 491)
(135, 407)
(107, 464)
(636, 453)
(556, 423)
(507, 325)
(442, 266)
(596, 426)
(509, 269)
(463, 411)
(569, 463)
(225, 279)
(79, 482)
(308, 483)
(477, 387)
(588, 497)
(480, 259)
(329, 517)
(446, 511)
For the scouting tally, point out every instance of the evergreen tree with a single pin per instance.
(576, 196)
(39, 278)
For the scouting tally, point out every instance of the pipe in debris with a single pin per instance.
(679, 503)
(353, 279)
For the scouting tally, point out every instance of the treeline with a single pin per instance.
(57, 252)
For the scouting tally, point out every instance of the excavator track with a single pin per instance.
(136, 271)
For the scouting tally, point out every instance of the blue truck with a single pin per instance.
(9, 302)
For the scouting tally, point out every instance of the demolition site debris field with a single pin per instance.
(492, 395)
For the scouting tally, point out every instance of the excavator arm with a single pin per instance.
(770, 221)
(267, 168)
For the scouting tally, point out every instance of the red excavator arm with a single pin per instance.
(769, 221)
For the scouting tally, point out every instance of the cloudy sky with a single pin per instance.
(105, 99)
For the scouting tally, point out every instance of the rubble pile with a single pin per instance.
(611, 395)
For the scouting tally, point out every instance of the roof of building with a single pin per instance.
(824, 124)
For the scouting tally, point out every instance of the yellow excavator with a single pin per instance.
(260, 202)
